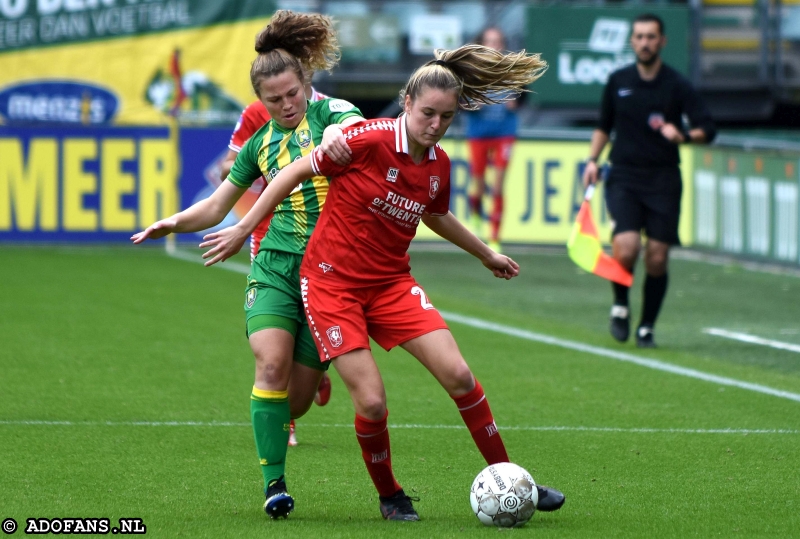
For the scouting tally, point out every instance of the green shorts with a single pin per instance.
(272, 300)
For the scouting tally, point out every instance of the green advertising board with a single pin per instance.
(746, 203)
(583, 45)
(26, 24)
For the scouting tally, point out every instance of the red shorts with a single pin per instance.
(480, 150)
(342, 319)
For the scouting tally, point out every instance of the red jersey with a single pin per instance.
(374, 205)
(253, 117)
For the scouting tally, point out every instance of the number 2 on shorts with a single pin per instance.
(423, 299)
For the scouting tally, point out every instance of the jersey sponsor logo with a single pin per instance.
(391, 176)
(625, 92)
(434, 190)
(402, 210)
(655, 121)
(303, 138)
(335, 336)
(250, 298)
(325, 267)
(340, 105)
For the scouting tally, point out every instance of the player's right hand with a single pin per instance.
(335, 146)
(223, 244)
(157, 230)
(590, 174)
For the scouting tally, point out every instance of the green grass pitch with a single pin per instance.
(125, 380)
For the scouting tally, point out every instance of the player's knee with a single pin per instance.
(299, 406)
(272, 371)
(371, 406)
(460, 380)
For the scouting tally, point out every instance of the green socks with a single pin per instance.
(269, 412)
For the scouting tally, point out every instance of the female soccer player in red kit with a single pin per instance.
(355, 275)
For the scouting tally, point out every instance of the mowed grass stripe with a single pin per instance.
(565, 343)
(211, 424)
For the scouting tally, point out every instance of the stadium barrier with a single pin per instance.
(101, 184)
(746, 200)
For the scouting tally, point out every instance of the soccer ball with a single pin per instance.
(504, 495)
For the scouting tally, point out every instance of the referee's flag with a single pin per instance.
(586, 251)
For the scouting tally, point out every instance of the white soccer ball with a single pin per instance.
(504, 495)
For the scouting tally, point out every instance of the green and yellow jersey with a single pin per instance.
(273, 147)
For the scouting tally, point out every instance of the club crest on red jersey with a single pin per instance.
(325, 267)
(335, 336)
(435, 182)
(391, 176)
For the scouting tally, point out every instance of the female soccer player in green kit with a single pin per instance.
(290, 46)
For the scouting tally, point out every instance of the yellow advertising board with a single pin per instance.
(543, 192)
(113, 63)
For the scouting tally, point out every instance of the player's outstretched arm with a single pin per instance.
(205, 214)
(451, 229)
(334, 144)
(227, 242)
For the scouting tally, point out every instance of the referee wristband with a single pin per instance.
(686, 136)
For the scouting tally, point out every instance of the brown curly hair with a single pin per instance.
(302, 42)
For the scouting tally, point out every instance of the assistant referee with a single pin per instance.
(652, 109)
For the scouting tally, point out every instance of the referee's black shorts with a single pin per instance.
(646, 199)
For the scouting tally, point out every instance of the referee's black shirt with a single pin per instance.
(631, 106)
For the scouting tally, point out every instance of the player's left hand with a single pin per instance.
(672, 133)
(334, 145)
(502, 266)
(224, 244)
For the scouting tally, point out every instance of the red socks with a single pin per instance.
(373, 437)
(497, 217)
(475, 411)
(476, 204)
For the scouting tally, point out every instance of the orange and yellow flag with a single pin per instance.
(586, 251)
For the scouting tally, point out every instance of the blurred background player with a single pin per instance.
(491, 131)
(355, 277)
(288, 369)
(253, 117)
(645, 104)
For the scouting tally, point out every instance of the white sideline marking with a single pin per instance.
(393, 426)
(619, 356)
(573, 345)
(752, 339)
(229, 265)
